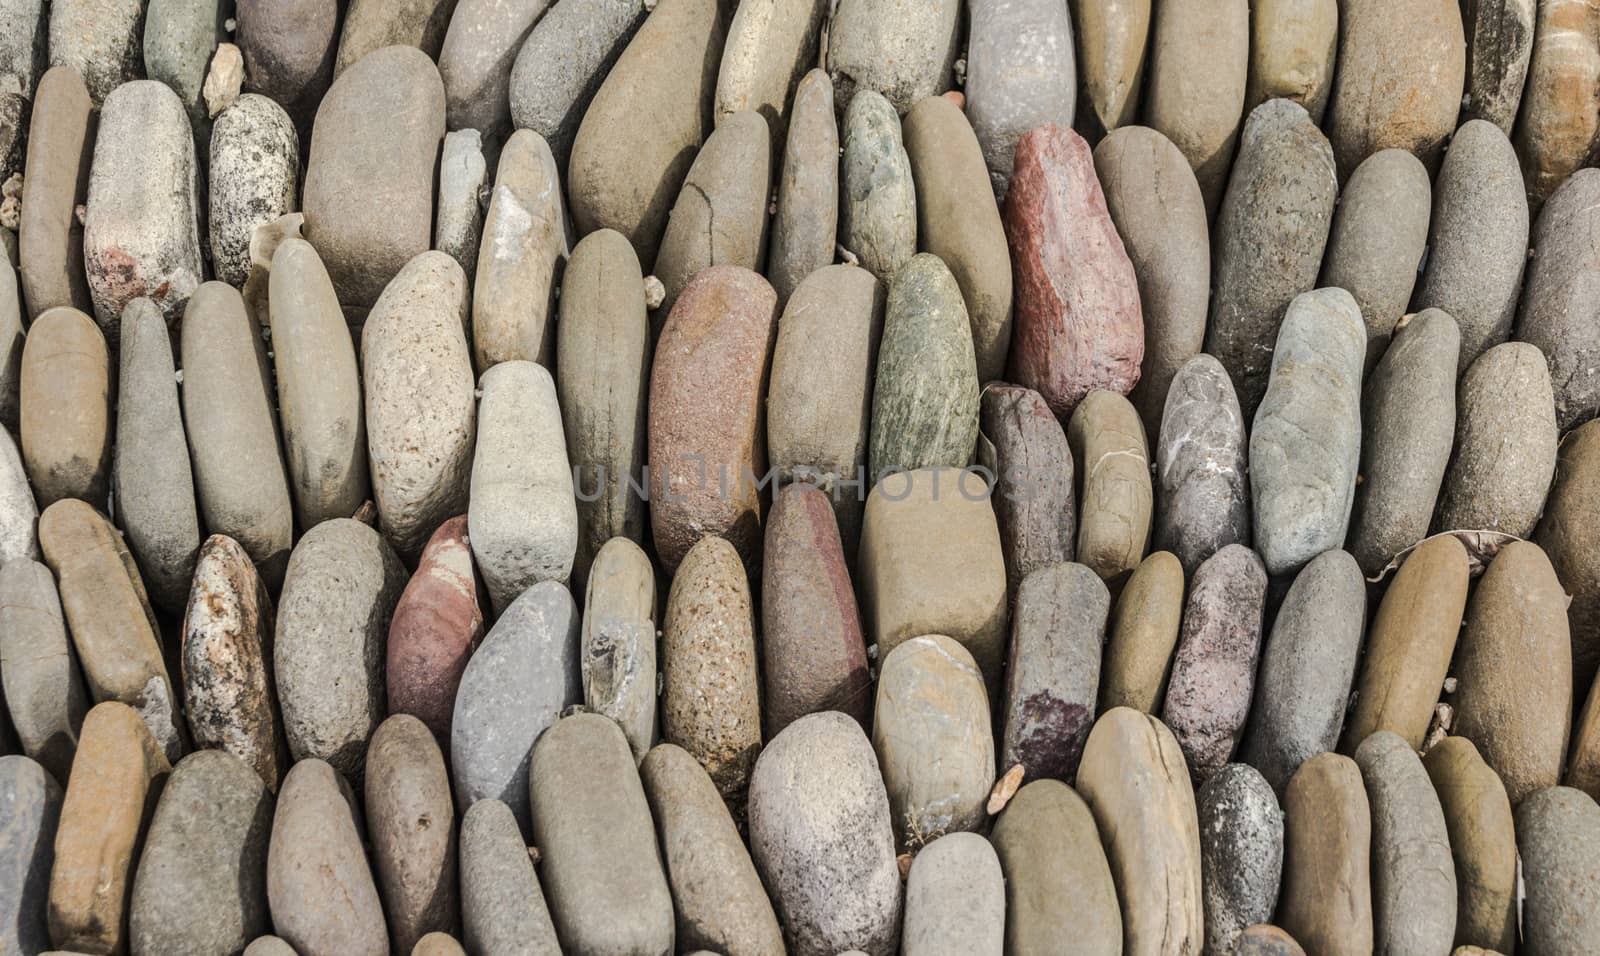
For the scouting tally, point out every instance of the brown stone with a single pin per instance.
(1059, 885)
(50, 238)
(1559, 126)
(1199, 64)
(1266, 940)
(1483, 843)
(66, 408)
(1326, 896)
(1111, 46)
(1142, 636)
(411, 822)
(436, 626)
(1111, 454)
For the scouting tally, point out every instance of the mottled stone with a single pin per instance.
(371, 25)
(1571, 516)
(877, 195)
(100, 39)
(475, 61)
(255, 164)
(619, 642)
(437, 624)
(1021, 74)
(955, 899)
(50, 241)
(1027, 450)
(520, 259)
(19, 515)
(567, 55)
(1293, 48)
(805, 226)
(1559, 126)
(42, 689)
(821, 837)
(502, 907)
(1558, 834)
(770, 46)
(904, 49)
(1199, 64)
(1109, 451)
(1241, 842)
(11, 344)
(269, 945)
(289, 48)
(1057, 630)
(1059, 884)
(66, 408)
(30, 806)
(1202, 466)
(180, 37)
(1264, 940)
(1413, 878)
(1563, 283)
(23, 44)
(1326, 895)
(458, 216)
(411, 822)
(1477, 817)
(1142, 635)
(1499, 36)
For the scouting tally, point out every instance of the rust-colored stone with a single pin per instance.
(436, 627)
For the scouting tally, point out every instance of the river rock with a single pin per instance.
(1305, 446)
(61, 139)
(12, 313)
(369, 26)
(1572, 511)
(255, 163)
(624, 174)
(769, 48)
(228, 682)
(43, 691)
(1558, 833)
(1158, 212)
(101, 41)
(1057, 630)
(463, 176)
(437, 624)
(233, 434)
(1213, 671)
(475, 61)
(1500, 39)
(1199, 64)
(208, 838)
(438, 944)
(955, 899)
(1477, 817)
(1505, 450)
(1565, 261)
(1111, 54)
(1202, 466)
(517, 683)
(1058, 882)
(30, 806)
(19, 515)
(1293, 47)
(1109, 451)
(66, 408)
(1409, 425)
(23, 52)
(1326, 896)
(289, 48)
(319, 886)
(1021, 74)
(813, 654)
(805, 227)
(821, 837)
(368, 195)
(1241, 847)
(1560, 117)
(1264, 940)
(591, 822)
(1142, 635)
(619, 642)
(1033, 491)
(417, 372)
(904, 49)
(1413, 877)
(269, 945)
(705, 412)
(519, 261)
(877, 195)
(411, 822)
(502, 908)
(567, 55)
(1265, 255)
(180, 38)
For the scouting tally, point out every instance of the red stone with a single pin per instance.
(436, 627)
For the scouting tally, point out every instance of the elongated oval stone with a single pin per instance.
(1478, 238)
(813, 653)
(1561, 286)
(99, 40)
(819, 398)
(1157, 209)
(1142, 635)
(141, 234)
(1199, 63)
(154, 484)
(769, 47)
(1505, 450)
(1500, 36)
(1079, 326)
(1134, 780)
(109, 618)
(567, 55)
(117, 778)
(821, 837)
(251, 179)
(524, 245)
(319, 886)
(1408, 427)
(61, 140)
(1021, 74)
(411, 822)
(624, 174)
(1477, 817)
(19, 515)
(1558, 834)
(1058, 627)
(476, 57)
(233, 434)
(705, 437)
(925, 394)
(955, 899)
(319, 388)
(1109, 451)
(23, 53)
(43, 692)
(1111, 54)
(877, 195)
(370, 26)
(1293, 48)
(1326, 895)
(904, 49)
(180, 38)
(1241, 849)
(502, 907)
(1570, 517)
(619, 641)
(1305, 447)
(207, 845)
(1307, 668)
(268, 945)
(1514, 671)
(1214, 670)
(421, 415)
(1413, 877)
(458, 218)
(522, 516)
(289, 48)
(1560, 118)
(717, 895)
(591, 821)
(11, 345)
(805, 227)
(521, 678)
(368, 195)
(29, 812)
(66, 408)
(1033, 491)
(228, 683)
(1059, 884)
(1402, 68)
(1202, 465)
(437, 624)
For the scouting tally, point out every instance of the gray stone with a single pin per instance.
(30, 806)
(43, 692)
(1558, 834)
(18, 513)
(955, 899)
(24, 36)
(180, 37)
(255, 164)
(1293, 47)
(65, 423)
(770, 46)
(1413, 875)
(502, 907)
(11, 343)
(1241, 852)
(99, 39)
(1202, 466)
(458, 220)
(561, 65)
(1499, 46)
(269, 946)
(1033, 497)
(1198, 66)
(1021, 74)
(50, 241)
(619, 641)
(1563, 284)
(374, 24)
(523, 675)
(877, 195)
(1305, 447)
(1058, 883)
(904, 49)
(475, 61)
(412, 825)
(805, 228)
(520, 258)
(289, 48)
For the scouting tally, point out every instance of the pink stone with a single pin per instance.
(436, 626)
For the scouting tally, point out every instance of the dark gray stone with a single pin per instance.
(30, 806)
(255, 164)
(562, 63)
(1558, 836)
(1413, 875)
(1241, 853)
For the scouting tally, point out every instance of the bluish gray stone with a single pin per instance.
(30, 806)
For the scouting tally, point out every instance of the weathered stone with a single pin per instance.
(769, 47)
(522, 518)
(1058, 882)
(1570, 516)
(1477, 817)
(269, 945)
(1409, 648)
(233, 434)
(19, 515)
(904, 49)
(955, 899)
(502, 907)
(1214, 669)
(1402, 69)
(319, 886)
(1199, 64)
(1109, 451)
(1558, 833)
(66, 408)
(1202, 465)
(1293, 47)
(1326, 895)
(476, 59)
(1413, 877)
(1305, 446)
(518, 682)
(101, 41)
(1111, 48)
(23, 44)
(458, 218)
(1478, 243)
(1021, 74)
(1408, 425)
(180, 37)
(43, 691)
(371, 25)
(591, 822)
(1307, 668)
(1561, 286)
(1057, 631)
(619, 641)
(417, 371)
(1499, 37)
(50, 241)
(877, 195)
(805, 227)
(289, 48)
(30, 806)
(1266, 940)
(1033, 491)
(438, 944)
(1506, 447)
(11, 344)
(228, 683)
(524, 245)
(1241, 848)
(109, 618)
(1270, 235)
(411, 822)
(201, 886)
(437, 624)
(821, 836)
(567, 55)
(368, 195)
(1143, 633)
(255, 163)
(705, 414)
(1559, 127)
